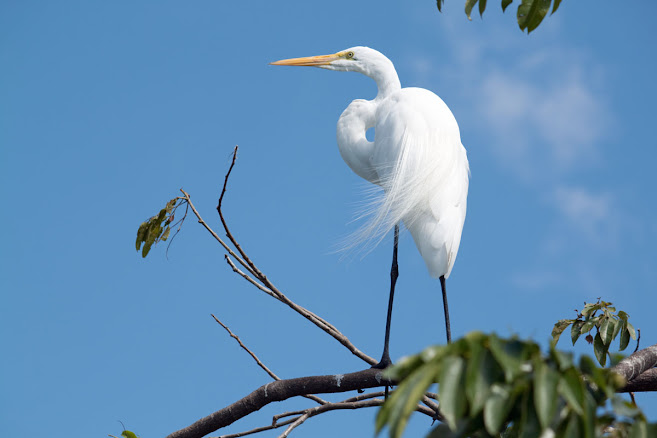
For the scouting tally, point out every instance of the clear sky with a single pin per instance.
(108, 108)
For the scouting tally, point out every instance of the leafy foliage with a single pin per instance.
(608, 324)
(530, 12)
(490, 387)
(157, 228)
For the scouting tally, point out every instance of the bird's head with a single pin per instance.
(359, 59)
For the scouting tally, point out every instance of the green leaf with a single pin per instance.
(571, 389)
(559, 327)
(141, 233)
(564, 360)
(545, 393)
(600, 350)
(591, 308)
(482, 7)
(573, 429)
(171, 204)
(556, 6)
(505, 3)
(469, 4)
(623, 315)
(531, 13)
(639, 429)
(589, 324)
(618, 325)
(451, 383)
(588, 419)
(482, 372)
(128, 434)
(607, 330)
(497, 408)
(165, 235)
(576, 330)
(529, 423)
(402, 402)
(439, 3)
(625, 337)
(511, 355)
(630, 327)
(151, 235)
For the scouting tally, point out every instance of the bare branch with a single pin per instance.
(252, 267)
(239, 341)
(635, 366)
(282, 390)
(296, 423)
(259, 362)
(211, 231)
(259, 429)
(645, 382)
(248, 278)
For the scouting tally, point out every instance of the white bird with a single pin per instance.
(416, 157)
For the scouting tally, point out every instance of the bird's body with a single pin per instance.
(419, 161)
(416, 157)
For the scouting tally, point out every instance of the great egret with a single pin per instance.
(416, 157)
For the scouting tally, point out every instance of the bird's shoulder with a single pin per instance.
(416, 102)
(418, 109)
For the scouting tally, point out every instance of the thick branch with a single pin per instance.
(282, 390)
(638, 370)
(646, 382)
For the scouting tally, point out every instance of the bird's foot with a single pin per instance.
(384, 363)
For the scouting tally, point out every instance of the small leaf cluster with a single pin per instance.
(157, 228)
(530, 12)
(494, 387)
(602, 316)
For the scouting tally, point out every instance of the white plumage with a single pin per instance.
(416, 157)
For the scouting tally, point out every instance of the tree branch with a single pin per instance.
(282, 390)
(639, 370)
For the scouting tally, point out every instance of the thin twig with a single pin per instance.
(248, 278)
(638, 340)
(345, 405)
(294, 425)
(180, 223)
(259, 429)
(246, 258)
(259, 362)
(239, 341)
(362, 397)
(211, 231)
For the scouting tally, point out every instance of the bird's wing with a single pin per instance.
(424, 172)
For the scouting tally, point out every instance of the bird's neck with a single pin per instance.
(386, 79)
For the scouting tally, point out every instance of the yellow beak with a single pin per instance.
(309, 61)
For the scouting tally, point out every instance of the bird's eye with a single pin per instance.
(350, 55)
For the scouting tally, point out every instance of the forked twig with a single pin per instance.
(257, 273)
(319, 322)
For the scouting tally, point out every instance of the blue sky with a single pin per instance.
(108, 108)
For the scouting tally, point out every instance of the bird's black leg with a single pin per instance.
(394, 273)
(447, 327)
